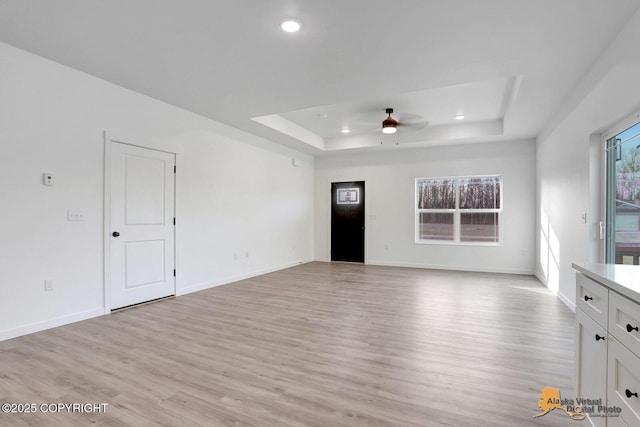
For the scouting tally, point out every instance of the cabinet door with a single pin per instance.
(616, 421)
(591, 361)
(624, 382)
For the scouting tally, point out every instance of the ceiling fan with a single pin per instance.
(390, 125)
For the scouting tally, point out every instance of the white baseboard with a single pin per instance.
(236, 278)
(453, 268)
(442, 267)
(562, 297)
(50, 323)
(77, 317)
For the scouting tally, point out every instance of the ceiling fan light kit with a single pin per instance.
(389, 125)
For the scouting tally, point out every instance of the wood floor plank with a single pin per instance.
(321, 344)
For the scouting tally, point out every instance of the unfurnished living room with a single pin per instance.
(320, 213)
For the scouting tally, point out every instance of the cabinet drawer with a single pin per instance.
(623, 382)
(624, 321)
(592, 298)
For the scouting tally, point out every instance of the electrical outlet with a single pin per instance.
(47, 179)
(48, 285)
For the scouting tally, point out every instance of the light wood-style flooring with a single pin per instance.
(321, 344)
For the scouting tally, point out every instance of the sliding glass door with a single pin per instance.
(623, 197)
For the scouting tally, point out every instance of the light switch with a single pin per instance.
(47, 179)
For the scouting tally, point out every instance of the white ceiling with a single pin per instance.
(507, 65)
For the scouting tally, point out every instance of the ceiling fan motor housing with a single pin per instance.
(389, 122)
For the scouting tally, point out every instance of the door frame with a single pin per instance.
(366, 221)
(109, 139)
(620, 126)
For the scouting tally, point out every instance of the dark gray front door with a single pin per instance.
(347, 221)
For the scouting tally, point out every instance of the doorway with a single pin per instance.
(139, 240)
(347, 221)
(622, 239)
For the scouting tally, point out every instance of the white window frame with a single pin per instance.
(457, 213)
(607, 233)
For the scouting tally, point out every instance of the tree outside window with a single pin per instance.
(459, 210)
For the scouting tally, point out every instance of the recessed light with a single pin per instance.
(345, 131)
(460, 117)
(290, 25)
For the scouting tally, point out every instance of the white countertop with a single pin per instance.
(624, 279)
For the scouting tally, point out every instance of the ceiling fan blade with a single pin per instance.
(413, 126)
(371, 121)
(407, 118)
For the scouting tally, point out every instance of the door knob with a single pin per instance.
(115, 234)
(598, 337)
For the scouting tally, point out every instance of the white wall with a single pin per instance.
(235, 193)
(389, 191)
(567, 181)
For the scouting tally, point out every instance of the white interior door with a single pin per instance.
(141, 230)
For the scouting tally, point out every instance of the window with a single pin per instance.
(459, 210)
(623, 197)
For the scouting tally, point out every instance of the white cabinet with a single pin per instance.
(591, 346)
(623, 389)
(608, 349)
(617, 421)
(593, 299)
(624, 321)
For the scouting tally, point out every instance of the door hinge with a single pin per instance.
(174, 221)
(175, 168)
(174, 272)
